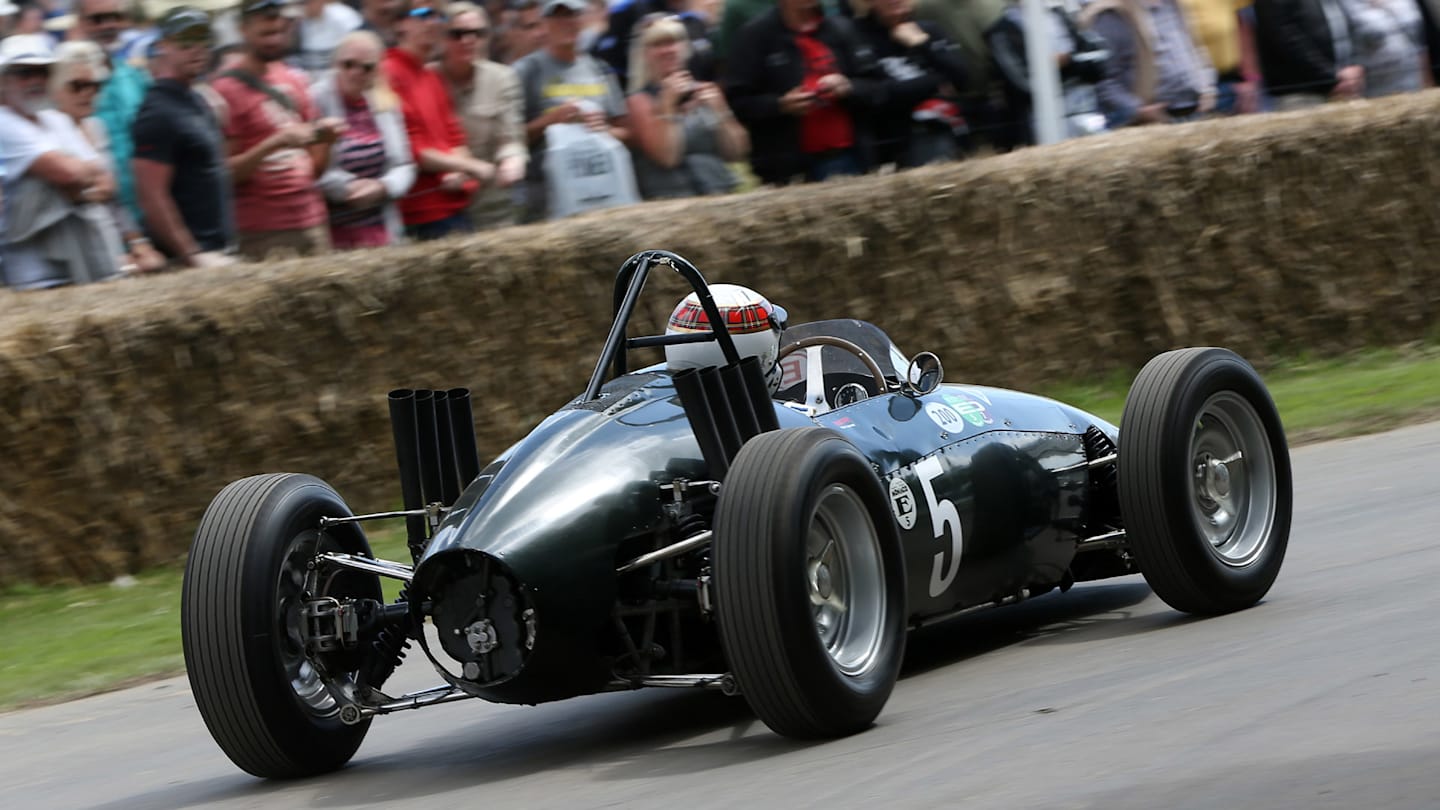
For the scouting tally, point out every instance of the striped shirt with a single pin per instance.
(361, 152)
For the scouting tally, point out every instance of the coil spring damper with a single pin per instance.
(1103, 492)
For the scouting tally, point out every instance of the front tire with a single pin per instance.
(263, 700)
(1204, 480)
(809, 583)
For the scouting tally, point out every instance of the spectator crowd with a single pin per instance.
(137, 138)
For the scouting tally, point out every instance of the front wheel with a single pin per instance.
(1204, 480)
(264, 700)
(809, 583)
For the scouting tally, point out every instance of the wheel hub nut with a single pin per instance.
(823, 586)
(481, 637)
(1219, 478)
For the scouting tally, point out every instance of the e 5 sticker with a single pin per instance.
(902, 503)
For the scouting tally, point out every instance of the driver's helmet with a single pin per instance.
(754, 324)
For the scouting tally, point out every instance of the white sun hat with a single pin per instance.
(26, 49)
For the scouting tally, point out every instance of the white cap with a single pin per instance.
(26, 49)
(58, 24)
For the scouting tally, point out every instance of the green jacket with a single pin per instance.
(965, 23)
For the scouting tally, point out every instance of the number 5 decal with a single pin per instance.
(943, 517)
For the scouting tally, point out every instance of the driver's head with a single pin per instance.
(754, 324)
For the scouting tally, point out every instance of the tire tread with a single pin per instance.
(214, 635)
(756, 514)
(1156, 513)
(781, 701)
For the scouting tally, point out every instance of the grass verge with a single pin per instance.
(59, 643)
(66, 642)
(1318, 398)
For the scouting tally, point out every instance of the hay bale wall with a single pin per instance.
(125, 407)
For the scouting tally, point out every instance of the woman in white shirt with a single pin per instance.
(75, 82)
(56, 229)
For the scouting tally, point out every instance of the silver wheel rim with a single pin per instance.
(845, 579)
(1232, 479)
(301, 675)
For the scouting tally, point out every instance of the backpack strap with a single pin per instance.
(255, 83)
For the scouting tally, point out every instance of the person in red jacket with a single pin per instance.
(449, 174)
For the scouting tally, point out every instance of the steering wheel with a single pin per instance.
(840, 343)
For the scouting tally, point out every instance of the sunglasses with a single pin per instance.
(425, 13)
(84, 86)
(363, 67)
(29, 72)
(104, 17)
(458, 34)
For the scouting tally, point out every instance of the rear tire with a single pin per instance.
(262, 699)
(1204, 480)
(809, 583)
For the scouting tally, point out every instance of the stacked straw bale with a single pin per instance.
(125, 407)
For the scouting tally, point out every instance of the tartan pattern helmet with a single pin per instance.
(754, 324)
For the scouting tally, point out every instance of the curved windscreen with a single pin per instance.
(836, 363)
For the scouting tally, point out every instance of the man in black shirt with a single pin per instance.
(1307, 52)
(179, 164)
(805, 87)
(914, 124)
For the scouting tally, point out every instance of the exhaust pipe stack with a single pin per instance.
(429, 446)
(732, 384)
(760, 401)
(702, 421)
(462, 431)
(726, 407)
(449, 478)
(729, 431)
(435, 450)
(407, 454)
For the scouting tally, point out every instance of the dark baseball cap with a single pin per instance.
(181, 19)
(553, 6)
(285, 7)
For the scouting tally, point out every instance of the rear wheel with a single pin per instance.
(263, 699)
(1204, 480)
(809, 583)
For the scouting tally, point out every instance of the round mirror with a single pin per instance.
(924, 375)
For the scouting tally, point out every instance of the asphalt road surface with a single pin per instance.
(1326, 695)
